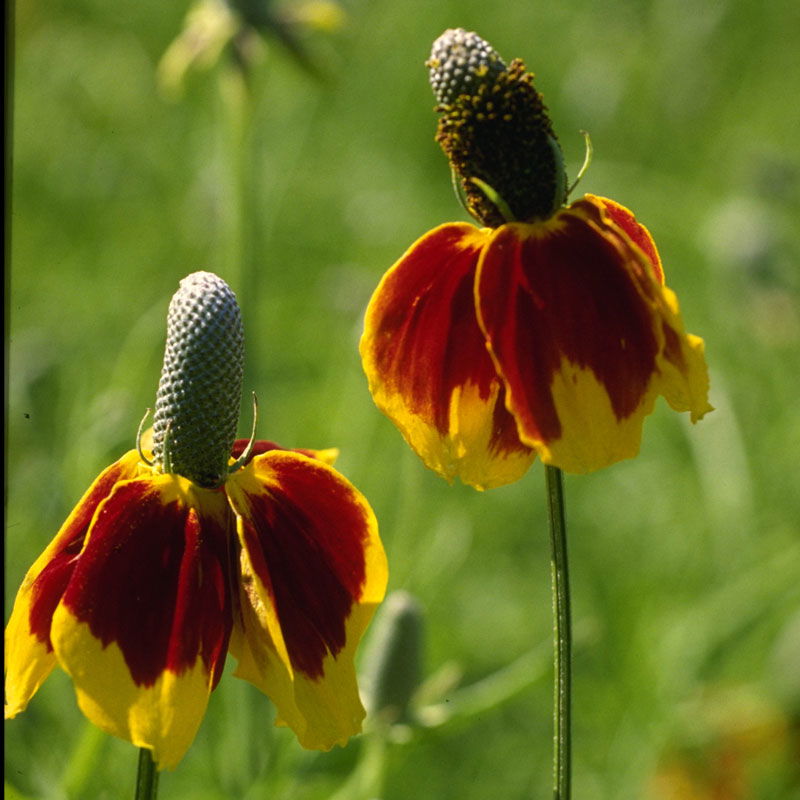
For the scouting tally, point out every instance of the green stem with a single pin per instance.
(242, 167)
(562, 634)
(146, 777)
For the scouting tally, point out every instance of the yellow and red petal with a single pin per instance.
(682, 365)
(682, 375)
(584, 335)
(427, 365)
(143, 625)
(313, 571)
(328, 455)
(29, 656)
(625, 222)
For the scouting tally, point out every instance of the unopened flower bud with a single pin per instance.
(393, 662)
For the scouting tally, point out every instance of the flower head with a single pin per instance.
(547, 330)
(206, 545)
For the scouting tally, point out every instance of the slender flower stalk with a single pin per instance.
(243, 163)
(146, 777)
(233, 36)
(562, 634)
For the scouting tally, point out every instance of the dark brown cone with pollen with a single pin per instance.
(495, 131)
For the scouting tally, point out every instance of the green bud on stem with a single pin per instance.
(392, 666)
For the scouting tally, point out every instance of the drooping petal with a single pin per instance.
(427, 364)
(143, 625)
(29, 655)
(313, 571)
(682, 365)
(627, 223)
(584, 335)
(328, 455)
(683, 375)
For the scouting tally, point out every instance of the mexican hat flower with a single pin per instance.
(201, 545)
(549, 329)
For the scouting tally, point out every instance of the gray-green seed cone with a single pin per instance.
(197, 406)
(460, 61)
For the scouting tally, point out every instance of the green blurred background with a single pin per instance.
(301, 189)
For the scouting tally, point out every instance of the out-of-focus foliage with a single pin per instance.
(300, 181)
